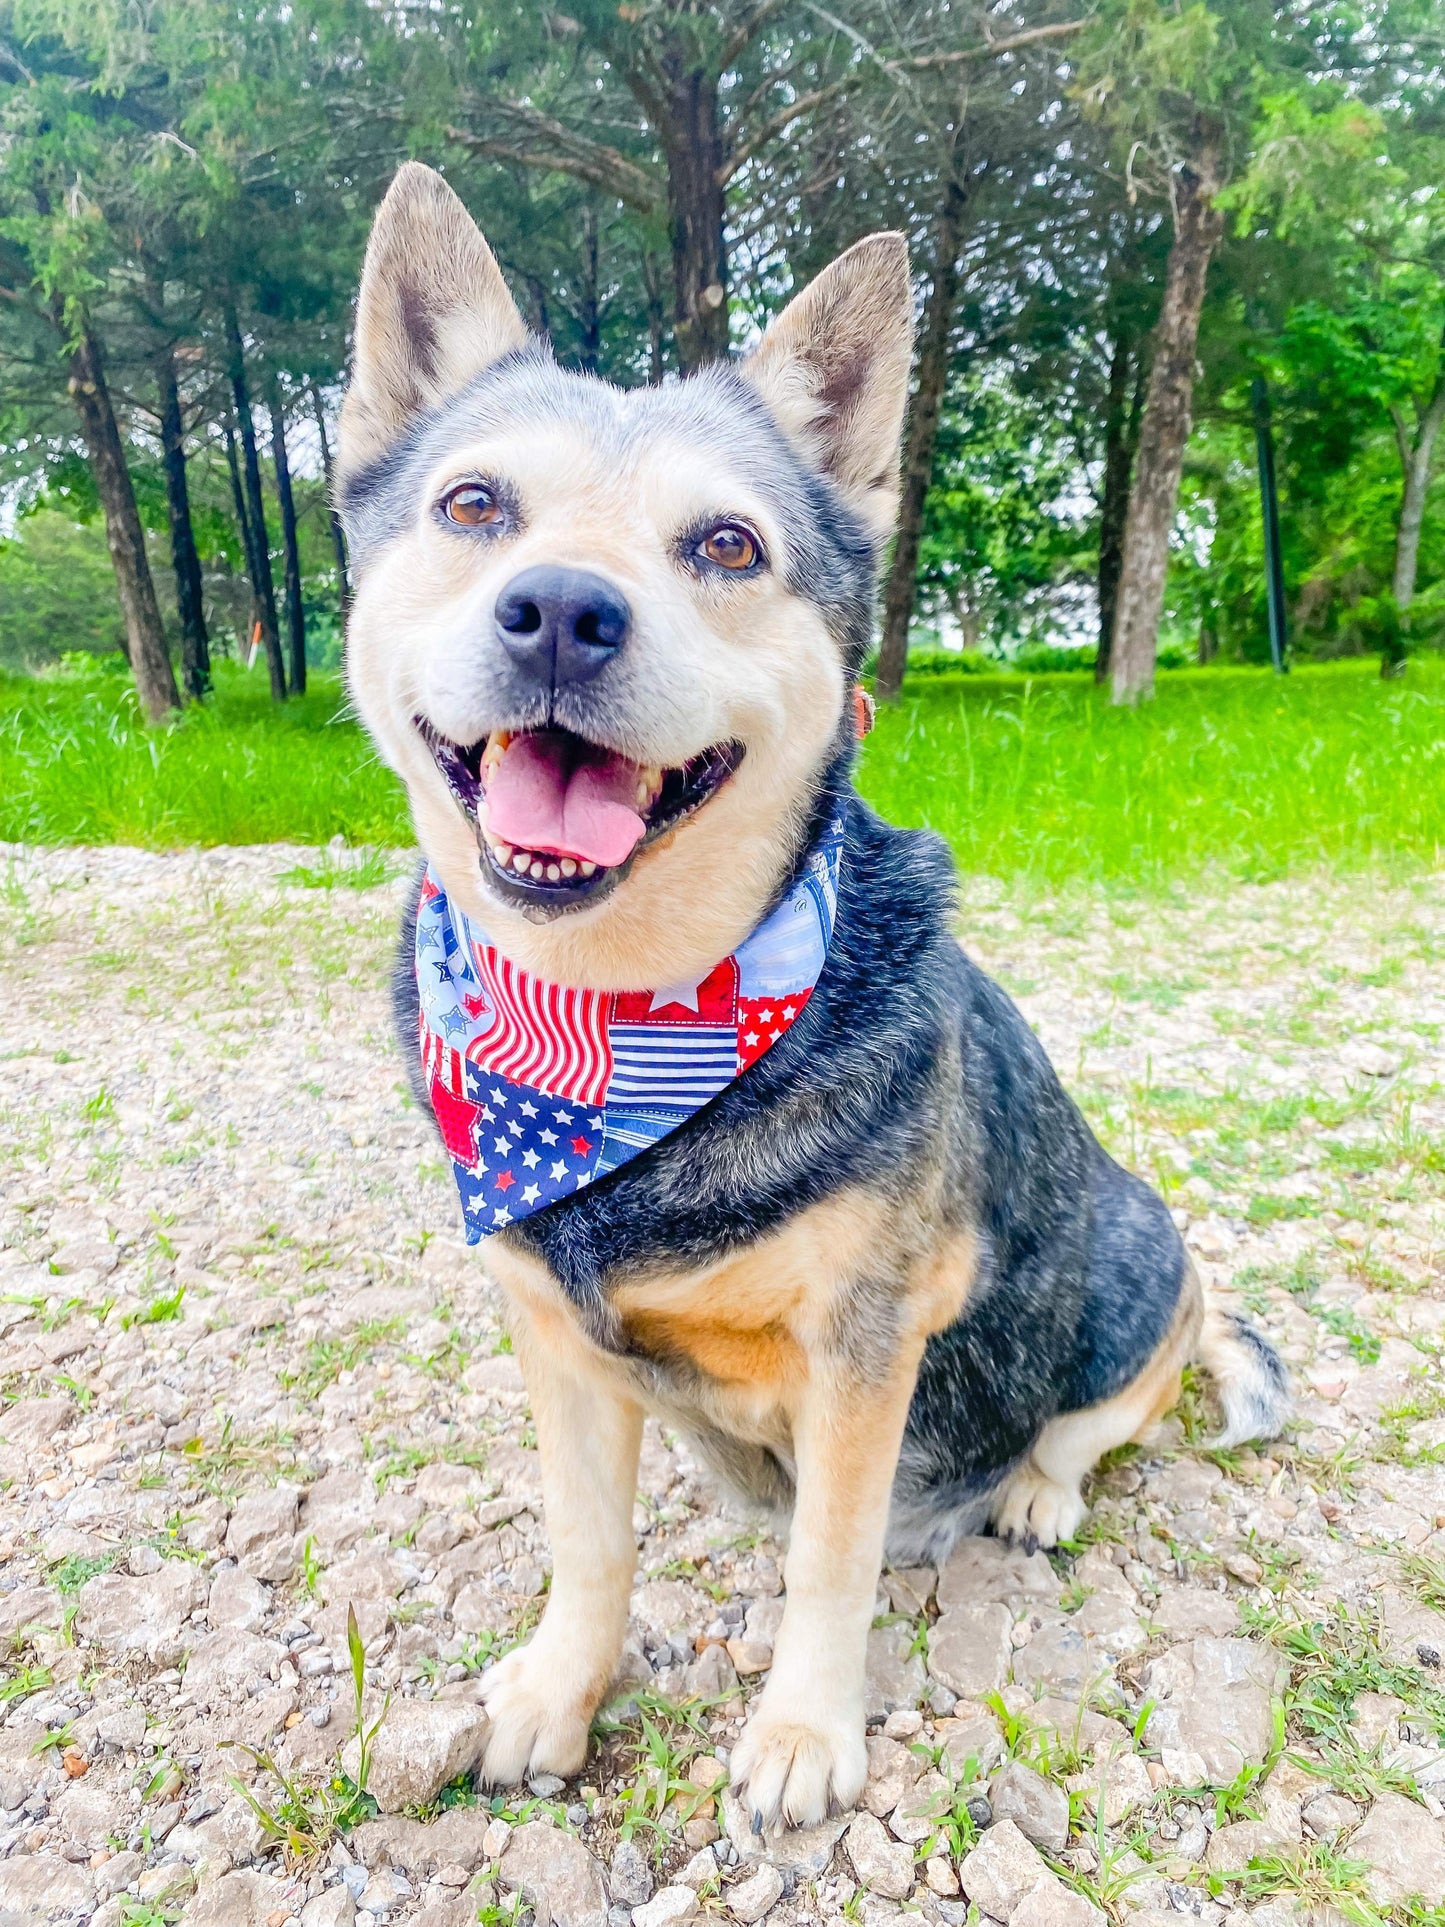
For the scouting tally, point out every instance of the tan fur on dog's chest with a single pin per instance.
(735, 1340)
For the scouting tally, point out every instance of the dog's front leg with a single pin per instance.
(541, 1698)
(803, 1749)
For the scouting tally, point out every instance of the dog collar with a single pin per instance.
(538, 1089)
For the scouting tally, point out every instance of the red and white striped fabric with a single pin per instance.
(543, 1034)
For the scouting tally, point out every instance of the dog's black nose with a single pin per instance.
(561, 625)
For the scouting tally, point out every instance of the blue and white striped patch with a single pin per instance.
(671, 1063)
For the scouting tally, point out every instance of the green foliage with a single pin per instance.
(56, 592)
(1039, 781)
(1031, 779)
(299, 1820)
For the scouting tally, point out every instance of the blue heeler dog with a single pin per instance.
(885, 1277)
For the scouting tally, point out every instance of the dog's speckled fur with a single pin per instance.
(888, 1278)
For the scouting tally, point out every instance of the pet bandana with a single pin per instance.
(539, 1089)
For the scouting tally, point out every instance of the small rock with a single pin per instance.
(238, 1600)
(892, 1769)
(904, 1724)
(545, 1864)
(986, 1571)
(1038, 1808)
(261, 1517)
(1002, 1870)
(421, 1746)
(1232, 1848)
(918, 1814)
(1328, 1815)
(1214, 1699)
(630, 1875)
(894, 1674)
(333, 1908)
(141, 1617)
(749, 1656)
(699, 1870)
(751, 1899)
(666, 1909)
(1404, 1848)
(35, 1885)
(970, 1647)
(972, 1740)
(1061, 1907)
(882, 1866)
(940, 1876)
(1120, 1781)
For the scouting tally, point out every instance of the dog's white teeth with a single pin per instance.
(502, 851)
(644, 793)
(568, 867)
(589, 869)
(521, 863)
(554, 872)
(536, 869)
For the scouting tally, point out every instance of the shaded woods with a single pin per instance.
(1121, 215)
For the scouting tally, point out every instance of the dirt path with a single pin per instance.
(252, 1377)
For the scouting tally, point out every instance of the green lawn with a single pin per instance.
(1030, 779)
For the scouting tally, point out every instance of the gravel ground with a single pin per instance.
(252, 1380)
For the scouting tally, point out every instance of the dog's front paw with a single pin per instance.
(793, 1772)
(1036, 1511)
(536, 1724)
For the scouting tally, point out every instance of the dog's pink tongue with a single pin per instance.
(538, 800)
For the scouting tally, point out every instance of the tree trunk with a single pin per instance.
(691, 137)
(295, 614)
(1416, 458)
(922, 436)
(1164, 429)
(195, 644)
(338, 534)
(260, 546)
(652, 285)
(1114, 505)
(145, 634)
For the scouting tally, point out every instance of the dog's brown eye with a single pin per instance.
(730, 546)
(471, 505)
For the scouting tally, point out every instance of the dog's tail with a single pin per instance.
(1249, 1373)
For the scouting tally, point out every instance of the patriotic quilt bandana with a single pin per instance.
(538, 1089)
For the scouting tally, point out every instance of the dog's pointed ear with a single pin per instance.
(833, 368)
(433, 312)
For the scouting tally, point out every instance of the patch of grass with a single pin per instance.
(301, 1821)
(159, 1310)
(1333, 1659)
(238, 770)
(1029, 778)
(327, 1358)
(1261, 775)
(71, 1573)
(368, 872)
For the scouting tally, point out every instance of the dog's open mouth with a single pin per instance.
(557, 817)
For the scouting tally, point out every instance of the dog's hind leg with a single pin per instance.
(1043, 1500)
(541, 1698)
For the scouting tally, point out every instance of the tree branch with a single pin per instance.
(991, 49)
(542, 142)
(780, 122)
(747, 31)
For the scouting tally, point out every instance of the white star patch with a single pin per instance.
(684, 995)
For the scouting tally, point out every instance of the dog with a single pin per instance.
(884, 1276)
